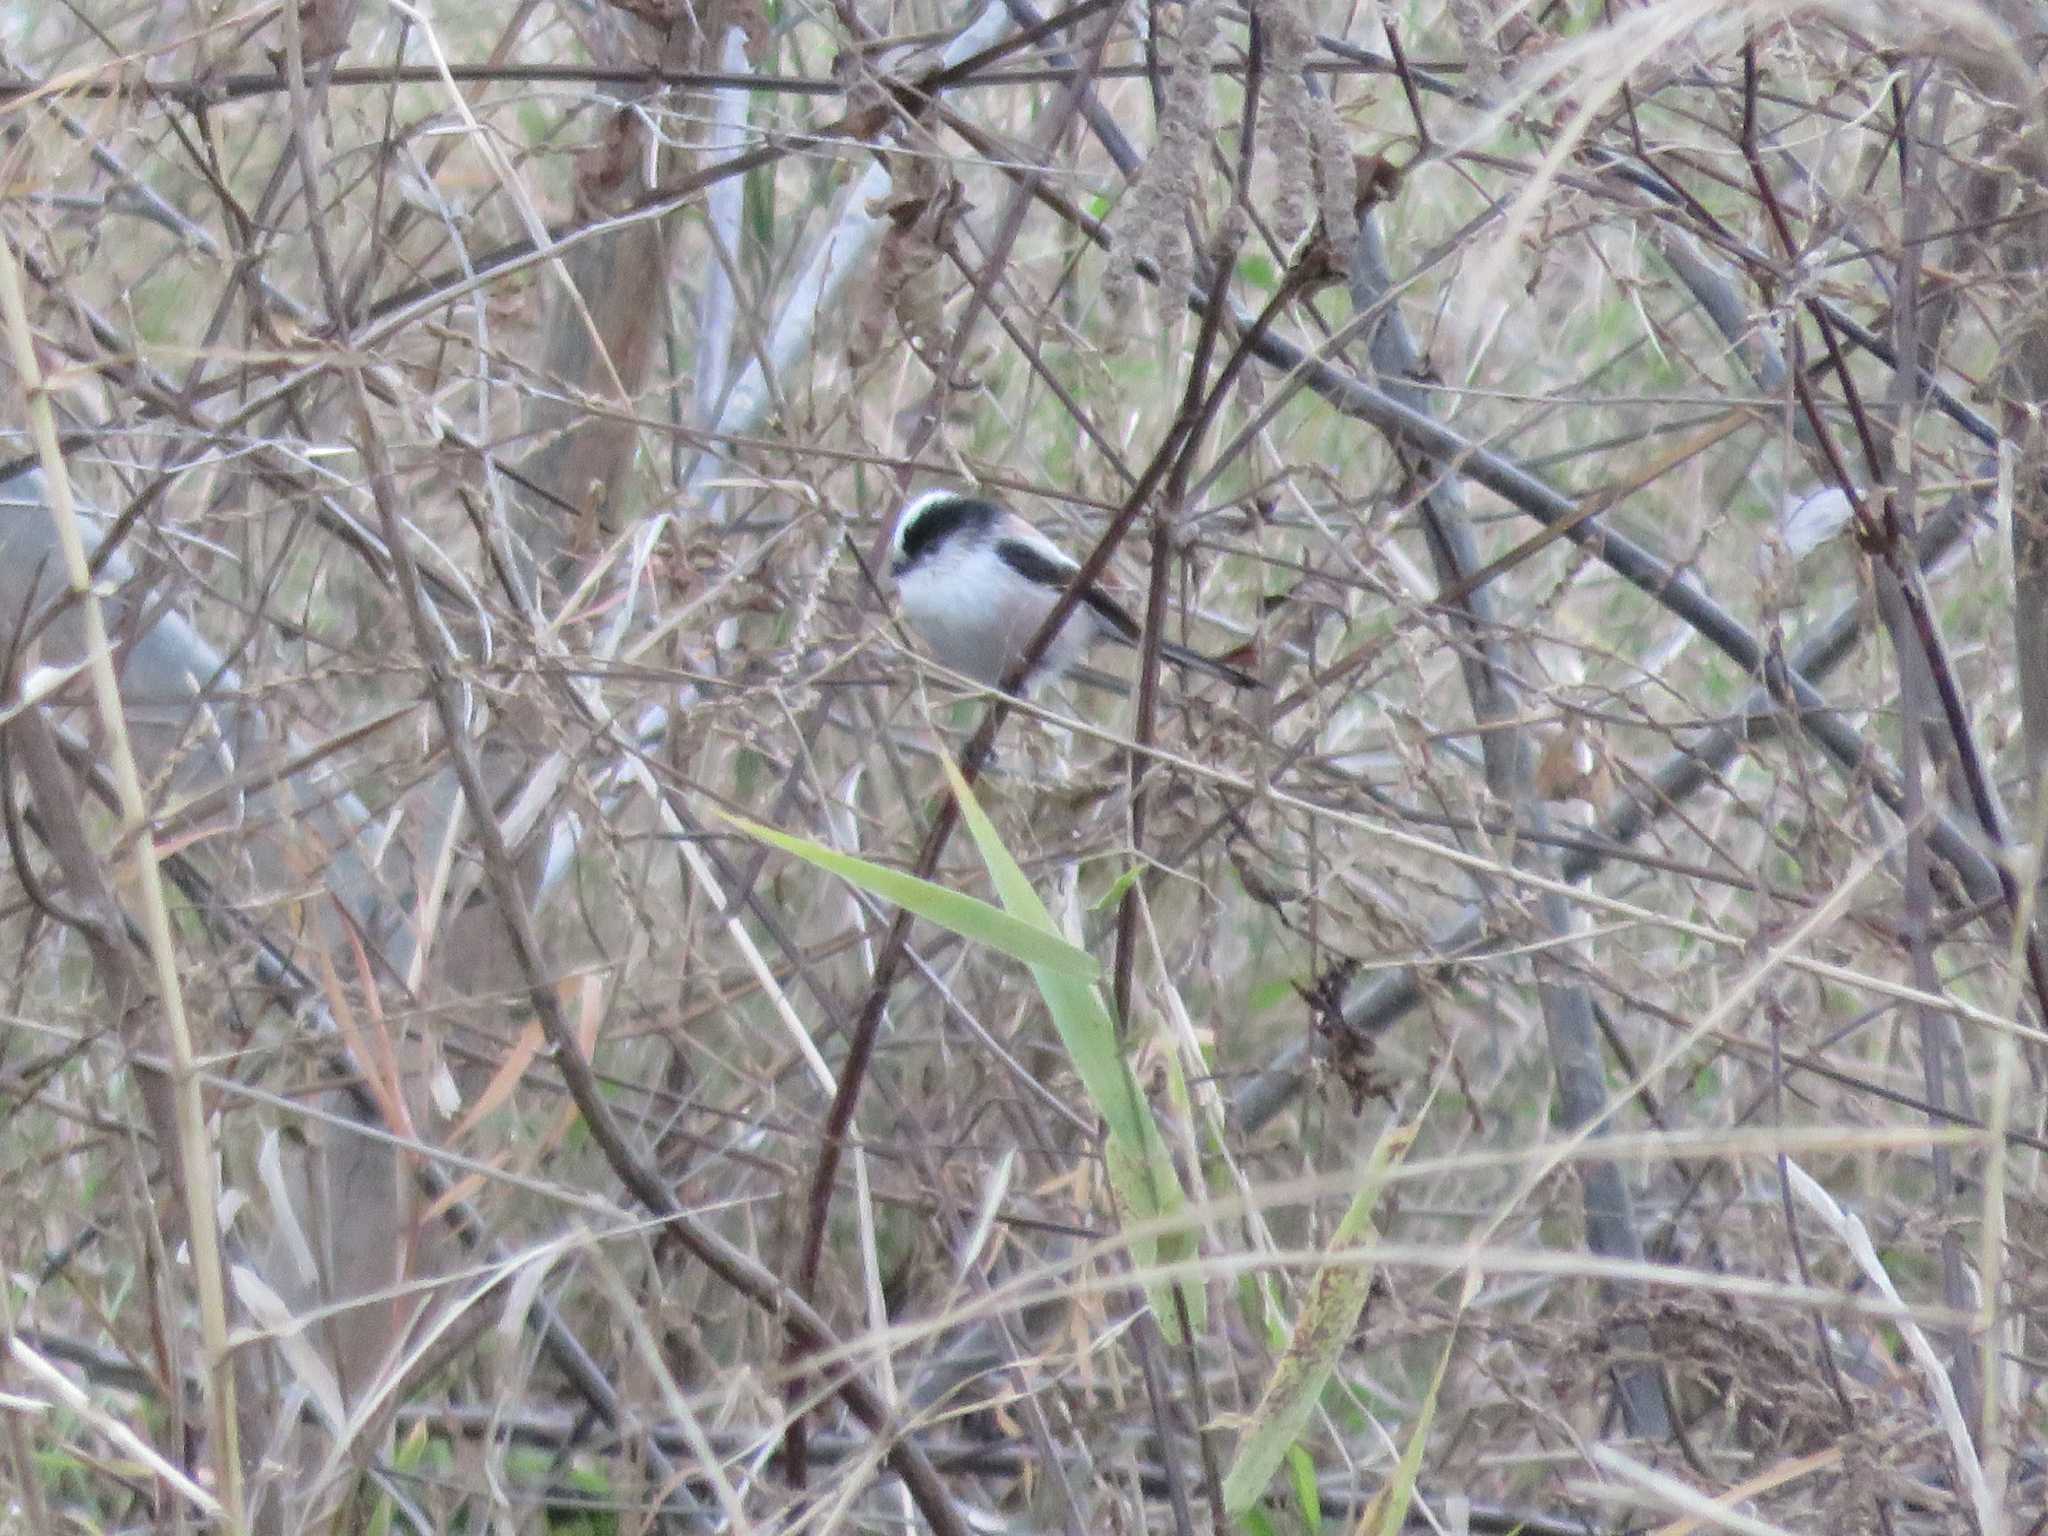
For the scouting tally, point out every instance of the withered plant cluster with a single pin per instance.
(1591, 996)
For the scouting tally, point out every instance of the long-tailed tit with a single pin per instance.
(977, 581)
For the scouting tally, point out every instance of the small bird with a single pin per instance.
(977, 581)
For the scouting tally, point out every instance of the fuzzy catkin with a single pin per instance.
(1480, 45)
(1336, 177)
(905, 282)
(1312, 161)
(1151, 223)
(1288, 108)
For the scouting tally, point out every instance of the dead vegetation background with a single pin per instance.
(1611, 431)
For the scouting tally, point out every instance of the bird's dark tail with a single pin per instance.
(1195, 661)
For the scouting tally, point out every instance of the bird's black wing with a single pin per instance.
(1035, 565)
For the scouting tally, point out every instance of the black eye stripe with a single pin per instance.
(938, 520)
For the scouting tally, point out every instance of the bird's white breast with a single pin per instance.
(976, 614)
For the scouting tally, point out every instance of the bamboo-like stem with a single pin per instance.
(194, 1153)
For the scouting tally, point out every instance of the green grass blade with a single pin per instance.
(1037, 945)
(1011, 883)
(1327, 1322)
(1301, 1467)
(1400, 1493)
(1140, 1167)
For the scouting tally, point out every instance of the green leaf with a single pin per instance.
(1117, 887)
(1328, 1320)
(1301, 1466)
(1400, 1492)
(1269, 995)
(968, 916)
(1140, 1167)
(1011, 883)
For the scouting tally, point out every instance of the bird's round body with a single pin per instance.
(970, 604)
(976, 583)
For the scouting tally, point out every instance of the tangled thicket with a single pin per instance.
(1612, 435)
